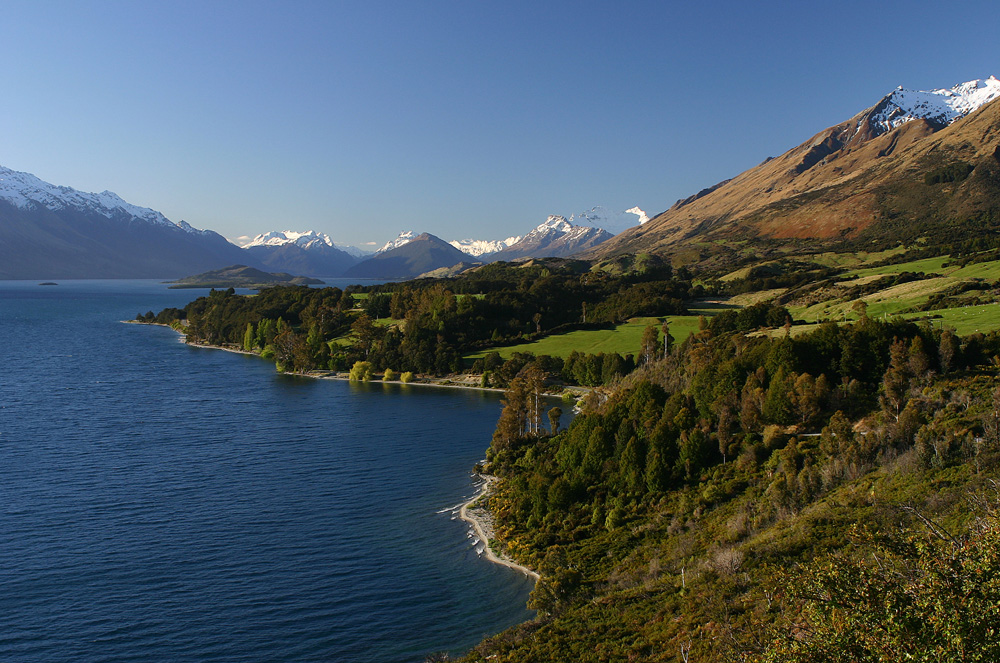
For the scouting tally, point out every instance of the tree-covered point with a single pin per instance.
(427, 325)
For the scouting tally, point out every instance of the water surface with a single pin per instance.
(166, 503)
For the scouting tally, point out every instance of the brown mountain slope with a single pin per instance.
(845, 182)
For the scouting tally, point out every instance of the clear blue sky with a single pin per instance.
(460, 118)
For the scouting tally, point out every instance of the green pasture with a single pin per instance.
(925, 265)
(964, 320)
(624, 339)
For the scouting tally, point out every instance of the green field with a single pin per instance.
(964, 320)
(624, 339)
(926, 265)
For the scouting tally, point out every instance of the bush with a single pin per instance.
(389, 374)
(361, 371)
(406, 377)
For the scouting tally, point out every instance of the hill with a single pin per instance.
(867, 180)
(241, 276)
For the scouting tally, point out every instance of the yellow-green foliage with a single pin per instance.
(406, 377)
(361, 371)
(389, 375)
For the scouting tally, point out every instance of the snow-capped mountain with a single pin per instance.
(26, 192)
(49, 231)
(404, 238)
(309, 239)
(309, 252)
(555, 237)
(941, 107)
(612, 221)
(483, 247)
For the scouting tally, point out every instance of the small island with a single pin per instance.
(241, 276)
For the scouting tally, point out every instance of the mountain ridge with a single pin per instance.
(828, 188)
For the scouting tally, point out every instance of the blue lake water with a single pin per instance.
(166, 503)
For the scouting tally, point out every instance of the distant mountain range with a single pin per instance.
(907, 167)
(50, 232)
(913, 165)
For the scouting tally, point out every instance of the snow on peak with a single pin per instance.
(306, 240)
(481, 247)
(612, 221)
(940, 106)
(555, 222)
(404, 237)
(643, 217)
(26, 191)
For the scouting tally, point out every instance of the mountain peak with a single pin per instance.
(404, 237)
(25, 191)
(305, 239)
(940, 107)
(555, 222)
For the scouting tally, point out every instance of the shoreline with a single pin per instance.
(482, 526)
(445, 383)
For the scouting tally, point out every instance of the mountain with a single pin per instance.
(403, 238)
(907, 167)
(421, 254)
(308, 252)
(555, 238)
(49, 231)
(483, 247)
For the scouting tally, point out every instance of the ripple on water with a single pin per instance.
(159, 502)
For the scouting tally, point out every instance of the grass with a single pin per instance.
(624, 339)
(925, 265)
(964, 320)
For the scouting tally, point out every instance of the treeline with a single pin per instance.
(590, 370)
(756, 429)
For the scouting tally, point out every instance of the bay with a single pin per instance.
(163, 502)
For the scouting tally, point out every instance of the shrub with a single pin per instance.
(389, 374)
(361, 371)
(406, 377)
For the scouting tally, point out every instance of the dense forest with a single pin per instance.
(829, 497)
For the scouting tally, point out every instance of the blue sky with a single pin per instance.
(459, 118)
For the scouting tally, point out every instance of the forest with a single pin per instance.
(427, 326)
(827, 497)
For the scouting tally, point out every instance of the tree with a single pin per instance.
(249, 338)
(947, 349)
(361, 371)
(366, 332)
(895, 382)
(554, 415)
(511, 425)
(650, 345)
(668, 340)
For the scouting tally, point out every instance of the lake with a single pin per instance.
(160, 502)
